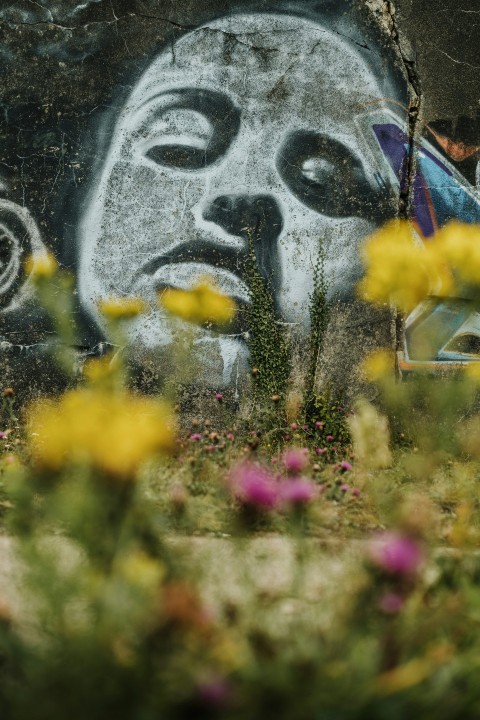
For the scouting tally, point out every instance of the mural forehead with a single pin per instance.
(272, 56)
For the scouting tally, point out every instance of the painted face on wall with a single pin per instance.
(241, 134)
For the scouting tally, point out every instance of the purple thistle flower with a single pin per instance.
(345, 466)
(295, 460)
(196, 436)
(391, 603)
(395, 554)
(3, 435)
(321, 451)
(319, 424)
(356, 492)
(344, 488)
(216, 691)
(297, 491)
(252, 484)
(219, 397)
(330, 438)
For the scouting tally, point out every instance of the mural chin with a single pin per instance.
(241, 141)
(219, 359)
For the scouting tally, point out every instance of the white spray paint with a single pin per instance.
(284, 75)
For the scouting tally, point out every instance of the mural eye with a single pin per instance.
(181, 140)
(324, 174)
(317, 170)
(189, 129)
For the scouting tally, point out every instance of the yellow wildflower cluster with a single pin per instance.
(102, 370)
(203, 304)
(140, 570)
(400, 270)
(458, 244)
(404, 272)
(116, 308)
(114, 432)
(41, 266)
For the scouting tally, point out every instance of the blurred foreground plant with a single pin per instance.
(107, 619)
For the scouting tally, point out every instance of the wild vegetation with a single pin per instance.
(118, 515)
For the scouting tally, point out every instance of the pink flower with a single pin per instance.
(230, 436)
(219, 397)
(321, 451)
(215, 691)
(196, 436)
(294, 426)
(344, 466)
(319, 424)
(395, 554)
(252, 484)
(330, 438)
(344, 488)
(391, 603)
(356, 492)
(297, 491)
(295, 460)
(3, 435)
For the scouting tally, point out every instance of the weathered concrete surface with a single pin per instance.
(291, 134)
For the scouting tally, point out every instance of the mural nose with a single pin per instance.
(246, 215)
(257, 219)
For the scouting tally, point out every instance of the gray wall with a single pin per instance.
(147, 143)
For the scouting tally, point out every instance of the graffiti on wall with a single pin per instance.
(264, 131)
(244, 130)
(439, 194)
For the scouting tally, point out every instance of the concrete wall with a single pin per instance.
(147, 143)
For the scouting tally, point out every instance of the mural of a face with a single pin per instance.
(243, 131)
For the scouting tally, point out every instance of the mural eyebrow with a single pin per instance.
(211, 103)
(219, 110)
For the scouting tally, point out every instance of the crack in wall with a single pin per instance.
(414, 110)
(385, 12)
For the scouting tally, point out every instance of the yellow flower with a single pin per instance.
(400, 271)
(378, 364)
(230, 651)
(140, 570)
(119, 308)
(459, 244)
(202, 304)
(114, 432)
(97, 370)
(404, 676)
(41, 266)
(472, 372)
